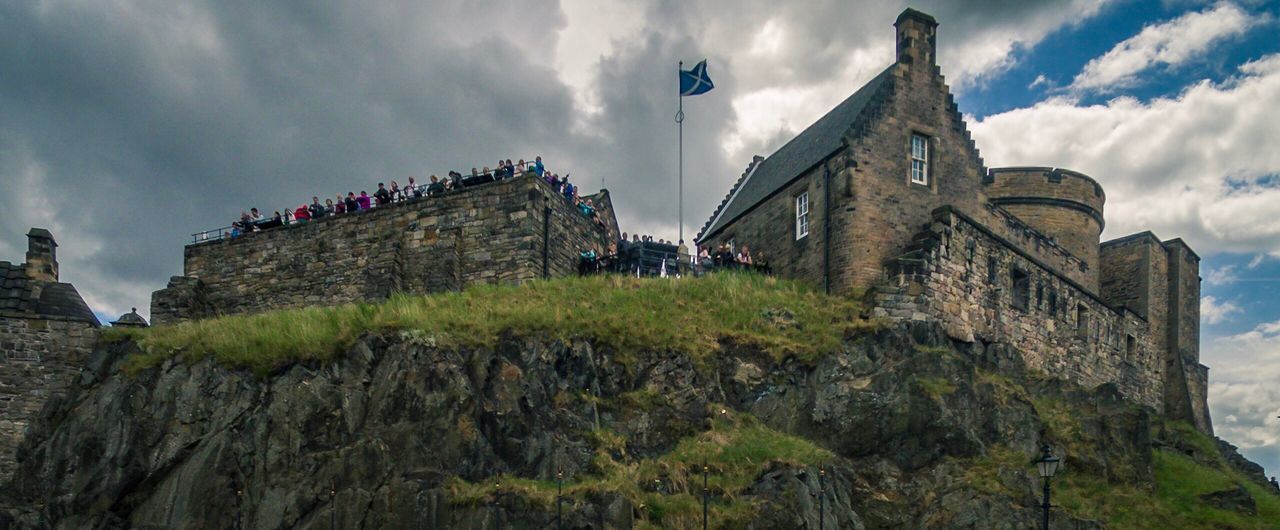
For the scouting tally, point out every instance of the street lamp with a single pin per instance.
(1047, 466)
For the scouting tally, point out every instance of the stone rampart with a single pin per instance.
(1044, 248)
(504, 232)
(41, 357)
(981, 286)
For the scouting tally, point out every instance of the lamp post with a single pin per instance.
(822, 491)
(705, 494)
(1047, 466)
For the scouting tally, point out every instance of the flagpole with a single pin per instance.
(680, 123)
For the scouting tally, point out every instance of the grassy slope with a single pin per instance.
(633, 316)
(626, 315)
(1173, 503)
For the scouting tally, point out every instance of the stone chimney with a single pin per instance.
(42, 258)
(917, 38)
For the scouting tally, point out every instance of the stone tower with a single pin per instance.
(1060, 203)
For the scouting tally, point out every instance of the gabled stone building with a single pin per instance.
(886, 196)
(46, 333)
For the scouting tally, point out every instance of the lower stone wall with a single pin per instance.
(39, 358)
(982, 287)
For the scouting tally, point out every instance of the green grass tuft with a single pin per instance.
(626, 315)
(667, 489)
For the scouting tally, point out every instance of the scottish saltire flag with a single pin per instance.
(695, 81)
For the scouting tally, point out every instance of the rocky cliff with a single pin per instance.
(897, 427)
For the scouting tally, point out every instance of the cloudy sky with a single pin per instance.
(126, 126)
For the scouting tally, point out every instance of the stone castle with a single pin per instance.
(887, 196)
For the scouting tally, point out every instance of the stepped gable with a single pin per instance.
(22, 297)
(806, 150)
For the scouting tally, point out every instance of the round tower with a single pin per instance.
(1060, 203)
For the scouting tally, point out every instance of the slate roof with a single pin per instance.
(55, 299)
(806, 150)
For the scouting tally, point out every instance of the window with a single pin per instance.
(1053, 302)
(919, 159)
(1130, 347)
(802, 215)
(1021, 289)
(993, 270)
(1039, 295)
(1082, 321)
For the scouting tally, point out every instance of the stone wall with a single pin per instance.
(40, 359)
(489, 234)
(980, 286)
(769, 230)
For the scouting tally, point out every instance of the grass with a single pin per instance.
(627, 315)
(937, 387)
(1172, 502)
(667, 489)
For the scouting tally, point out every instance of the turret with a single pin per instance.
(1059, 203)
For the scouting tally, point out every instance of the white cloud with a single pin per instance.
(1224, 275)
(1040, 80)
(1244, 399)
(1169, 43)
(1205, 157)
(1213, 312)
(1257, 260)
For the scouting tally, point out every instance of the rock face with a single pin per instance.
(385, 436)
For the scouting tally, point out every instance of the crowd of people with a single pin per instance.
(643, 255)
(255, 220)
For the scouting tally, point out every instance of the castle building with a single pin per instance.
(886, 196)
(509, 231)
(46, 334)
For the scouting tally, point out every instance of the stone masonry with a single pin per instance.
(46, 334)
(509, 231)
(999, 255)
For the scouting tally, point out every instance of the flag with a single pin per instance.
(695, 81)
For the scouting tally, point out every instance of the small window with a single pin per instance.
(1130, 346)
(1082, 321)
(1053, 302)
(1039, 295)
(993, 270)
(802, 215)
(1021, 289)
(919, 159)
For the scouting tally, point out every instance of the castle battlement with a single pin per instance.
(509, 231)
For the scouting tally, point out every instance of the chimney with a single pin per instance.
(917, 38)
(42, 259)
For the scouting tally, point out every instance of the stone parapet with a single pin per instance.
(509, 231)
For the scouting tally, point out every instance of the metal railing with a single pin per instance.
(659, 260)
(421, 191)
